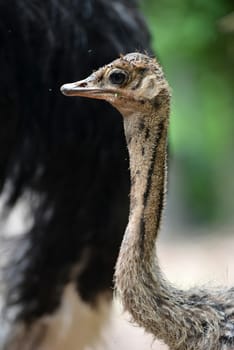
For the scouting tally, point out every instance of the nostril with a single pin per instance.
(83, 84)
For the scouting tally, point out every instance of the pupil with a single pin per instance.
(117, 78)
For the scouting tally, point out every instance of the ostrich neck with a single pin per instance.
(146, 135)
(147, 144)
(166, 312)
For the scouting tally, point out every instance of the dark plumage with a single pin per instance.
(68, 158)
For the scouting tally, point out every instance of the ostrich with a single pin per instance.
(185, 320)
(57, 262)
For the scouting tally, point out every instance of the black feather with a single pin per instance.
(69, 153)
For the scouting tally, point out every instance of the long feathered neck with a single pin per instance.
(180, 319)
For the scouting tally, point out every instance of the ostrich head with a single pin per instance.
(126, 83)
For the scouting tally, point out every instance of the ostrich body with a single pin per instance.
(57, 262)
(184, 320)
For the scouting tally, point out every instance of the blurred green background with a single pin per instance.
(194, 40)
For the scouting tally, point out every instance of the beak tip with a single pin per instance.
(64, 89)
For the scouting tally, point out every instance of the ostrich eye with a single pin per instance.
(118, 77)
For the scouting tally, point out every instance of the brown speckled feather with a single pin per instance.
(184, 320)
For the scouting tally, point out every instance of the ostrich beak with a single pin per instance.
(87, 88)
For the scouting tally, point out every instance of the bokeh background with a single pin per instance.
(194, 40)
